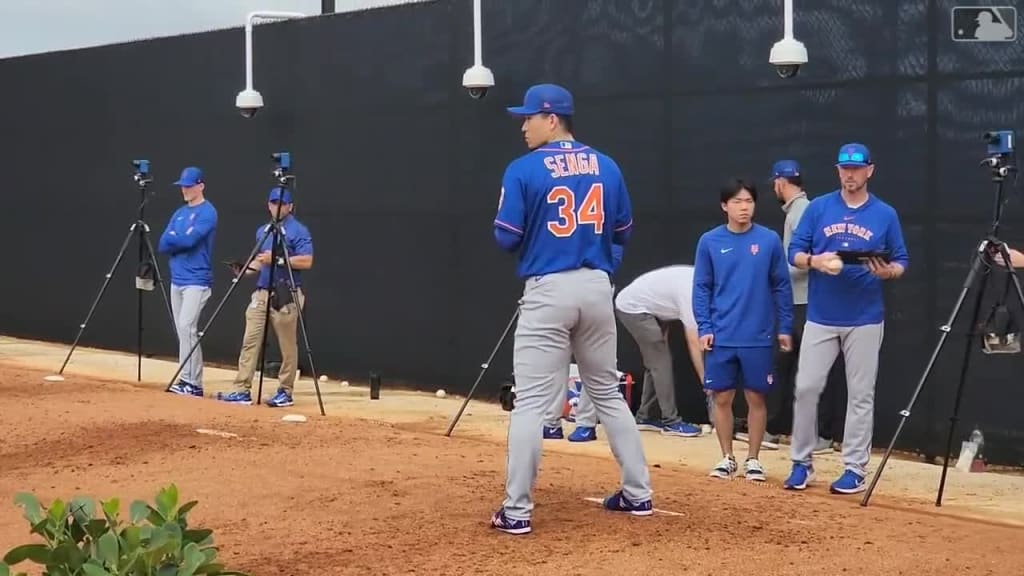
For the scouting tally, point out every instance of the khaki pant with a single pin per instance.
(285, 323)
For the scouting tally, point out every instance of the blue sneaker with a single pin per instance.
(280, 400)
(849, 483)
(553, 433)
(619, 503)
(509, 526)
(681, 429)
(183, 388)
(800, 477)
(235, 397)
(583, 434)
(649, 426)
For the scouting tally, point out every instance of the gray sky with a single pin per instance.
(33, 26)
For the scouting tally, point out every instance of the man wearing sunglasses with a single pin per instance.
(845, 311)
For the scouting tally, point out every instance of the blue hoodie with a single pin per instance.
(188, 240)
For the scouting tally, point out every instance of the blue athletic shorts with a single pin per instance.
(725, 367)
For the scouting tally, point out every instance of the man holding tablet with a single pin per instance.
(850, 241)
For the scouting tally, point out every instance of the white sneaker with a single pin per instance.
(724, 469)
(753, 470)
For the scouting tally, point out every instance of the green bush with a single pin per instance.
(156, 541)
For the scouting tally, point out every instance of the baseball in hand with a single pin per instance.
(834, 265)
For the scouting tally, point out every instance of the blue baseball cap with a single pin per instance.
(190, 177)
(785, 169)
(549, 98)
(853, 155)
(275, 195)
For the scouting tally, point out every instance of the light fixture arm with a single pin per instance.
(787, 12)
(250, 19)
(478, 50)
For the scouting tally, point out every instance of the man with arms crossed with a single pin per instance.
(561, 206)
(188, 239)
(743, 302)
(645, 307)
(284, 314)
(845, 311)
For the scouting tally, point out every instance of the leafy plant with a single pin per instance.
(155, 541)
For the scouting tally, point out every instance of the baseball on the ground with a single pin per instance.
(440, 393)
(344, 382)
(323, 378)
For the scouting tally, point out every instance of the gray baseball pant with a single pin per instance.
(659, 383)
(187, 303)
(818, 351)
(563, 315)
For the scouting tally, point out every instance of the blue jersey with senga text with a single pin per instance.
(568, 203)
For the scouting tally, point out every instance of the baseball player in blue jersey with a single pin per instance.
(743, 303)
(188, 240)
(845, 311)
(562, 205)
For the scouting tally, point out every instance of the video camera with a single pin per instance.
(141, 175)
(1000, 142)
(999, 145)
(283, 160)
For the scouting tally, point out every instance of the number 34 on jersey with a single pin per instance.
(562, 192)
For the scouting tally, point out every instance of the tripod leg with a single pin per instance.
(483, 369)
(159, 278)
(96, 301)
(302, 325)
(216, 311)
(275, 242)
(138, 307)
(968, 348)
(945, 329)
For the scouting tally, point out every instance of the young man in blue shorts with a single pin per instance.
(743, 302)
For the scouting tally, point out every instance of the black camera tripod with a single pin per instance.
(278, 255)
(147, 274)
(977, 278)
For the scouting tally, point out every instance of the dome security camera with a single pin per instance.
(787, 56)
(478, 80)
(249, 102)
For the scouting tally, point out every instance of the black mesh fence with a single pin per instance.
(398, 170)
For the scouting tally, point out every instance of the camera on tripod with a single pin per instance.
(999, 146)
(141, 175)
(283, 160)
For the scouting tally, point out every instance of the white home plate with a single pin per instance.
(657, 510)
(54, 378)
(294, 418)
(220, 433)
